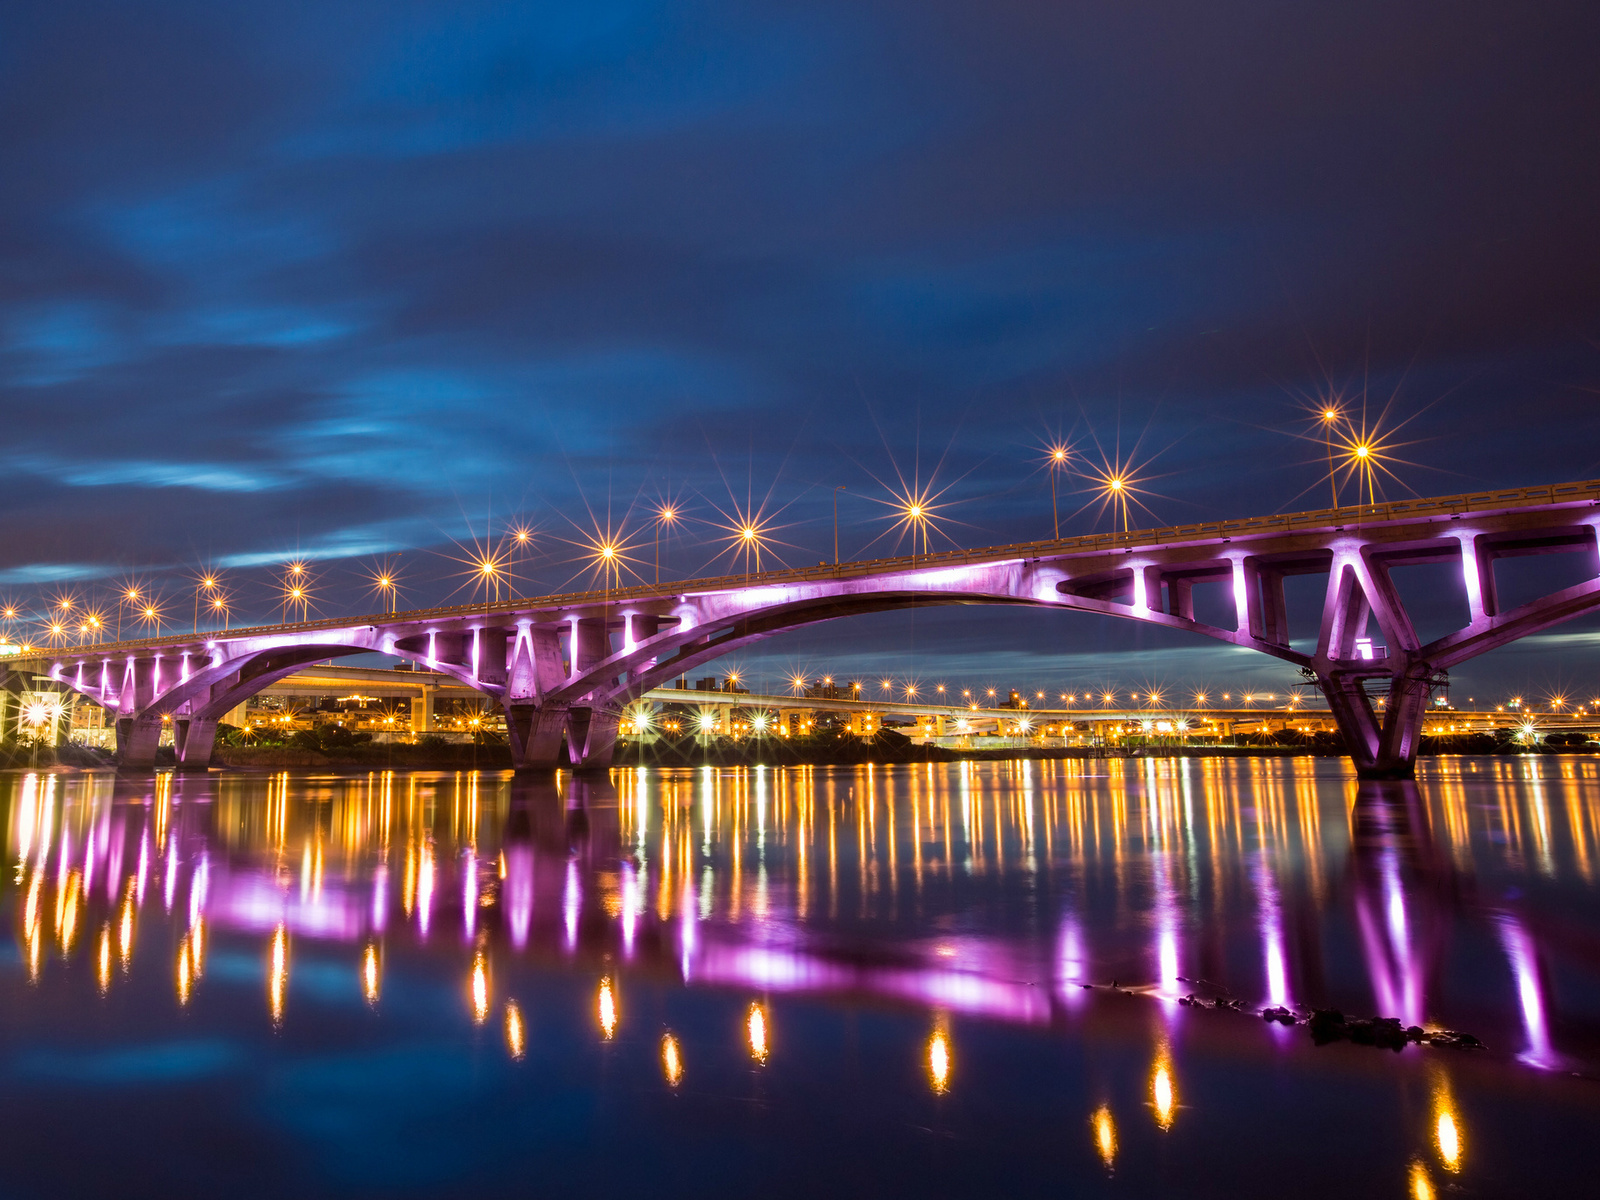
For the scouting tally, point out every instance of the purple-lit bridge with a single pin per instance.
(563, 667)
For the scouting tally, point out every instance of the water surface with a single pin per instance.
(955, 979)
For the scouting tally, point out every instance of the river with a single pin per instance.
(964, 979)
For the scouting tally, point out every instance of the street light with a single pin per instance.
(129, 598)
(296, 591)
(1330, 417)
(384, 579)
(522, 539)
(1060, 453)
(665, 515)
(207, 583)
(150, 616)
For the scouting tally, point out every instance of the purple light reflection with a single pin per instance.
(1166, 919)
(519, 892)
(1270, 915)
(777, 969)
(256, 901)
(1530, 995)
(425, 891)
(572, 904)
(1391, 959)
(1072, 965)
(380, 897)
(632, 903)
(686, 930)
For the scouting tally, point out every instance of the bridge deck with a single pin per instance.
(1581, 493)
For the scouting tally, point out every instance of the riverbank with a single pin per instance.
(441, 756)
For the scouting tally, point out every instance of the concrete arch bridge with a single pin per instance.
(563, 667)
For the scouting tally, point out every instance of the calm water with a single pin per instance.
(800, 982)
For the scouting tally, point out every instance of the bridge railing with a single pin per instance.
(1138, 539)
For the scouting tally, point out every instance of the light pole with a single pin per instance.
(522, 536)
(665, 515)
(1058, 460)
(1330, 415)
(206, 583)
(296, 586)
(131, 596)
(386, 582)
(836, 492)
(749, 535)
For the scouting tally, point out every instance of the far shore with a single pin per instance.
(497, 757)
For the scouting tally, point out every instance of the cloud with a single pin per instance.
(47, 572)
(205, 477)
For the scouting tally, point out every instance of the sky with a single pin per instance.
(341, 281)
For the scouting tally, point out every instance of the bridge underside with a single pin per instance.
(563, 669)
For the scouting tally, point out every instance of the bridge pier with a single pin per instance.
(137, 739)
(534, 732)
(592, 737)
(194, 740)
(1383, 748)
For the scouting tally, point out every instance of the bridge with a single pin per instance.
(564, 667)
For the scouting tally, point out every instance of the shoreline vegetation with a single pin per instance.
(885, 748)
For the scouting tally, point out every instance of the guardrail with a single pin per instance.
(1323, 518)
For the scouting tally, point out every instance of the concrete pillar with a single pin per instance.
(141, 685)
(1246, 598)
(1182, 593)
(591, 737)
(535, 733)
(452, 648)
(137, 739)
(491, 652)
(1353, 713)
(592, 644)
(422, 709)
(193, 742)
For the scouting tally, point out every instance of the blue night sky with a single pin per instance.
(348, 279)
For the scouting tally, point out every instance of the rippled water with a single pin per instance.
(800, 981)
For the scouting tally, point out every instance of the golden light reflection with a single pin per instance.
(277, 973)
(1447, 1137)
(671, 1060)
(30, 910)
(939, 1061)
(607, 1009)
(480, 989)
(103, 960)
(67, 912)
(1105, 1135)
(369, 974)
(756, 1031)
(186, 977)
(516, 1034)
(1163, 1096)
(1421, 1185)
(125, 931)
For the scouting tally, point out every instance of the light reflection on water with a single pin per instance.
(952, 892)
